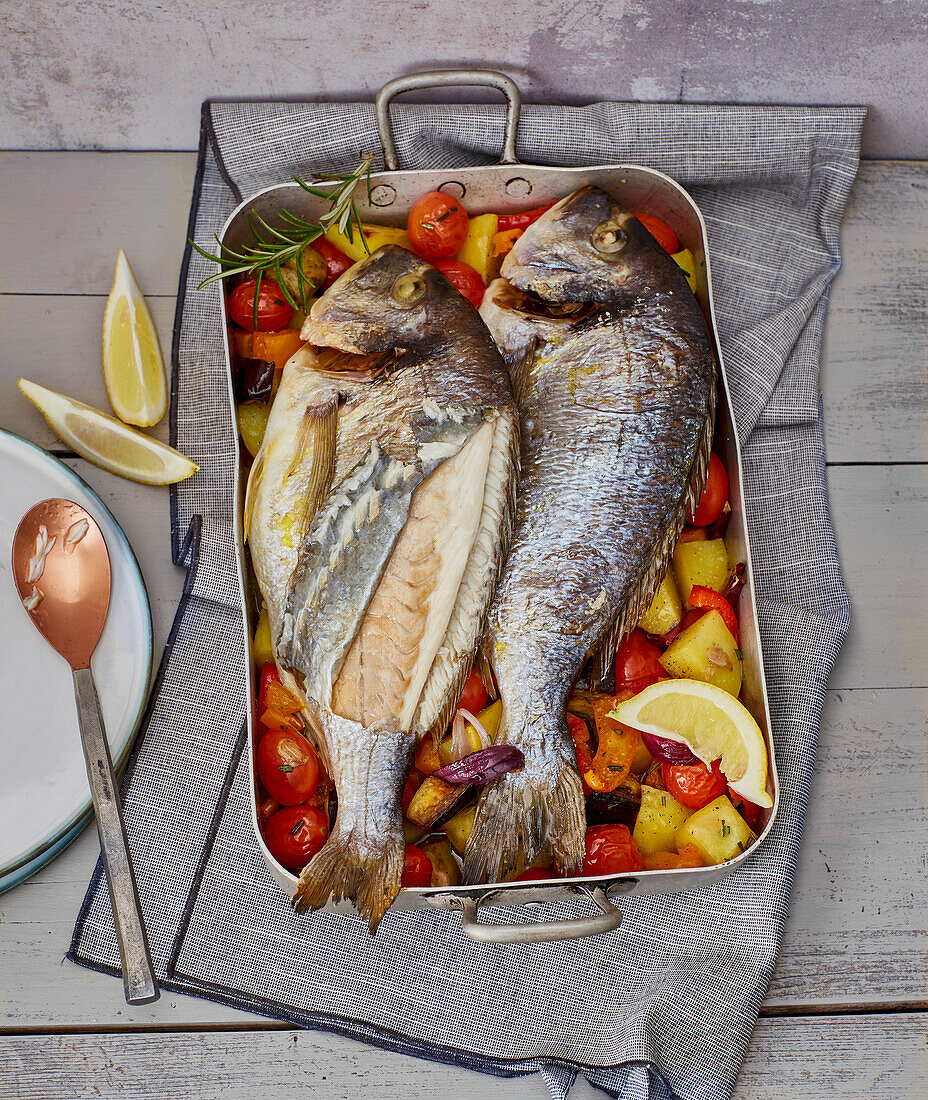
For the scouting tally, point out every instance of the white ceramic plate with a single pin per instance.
(44, 797)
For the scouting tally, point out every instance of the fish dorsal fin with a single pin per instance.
(640, 600)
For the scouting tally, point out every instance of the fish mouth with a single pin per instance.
(360, 366)
(530, 304)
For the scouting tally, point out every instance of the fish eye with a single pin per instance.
(608, 237)
(408, 289)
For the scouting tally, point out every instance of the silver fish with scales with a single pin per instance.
(614, 376)
(378, 514)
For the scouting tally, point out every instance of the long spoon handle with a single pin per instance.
(137, 972)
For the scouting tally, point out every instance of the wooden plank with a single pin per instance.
(875, 366)
(66, 215)
(843, 1057)
(89, 95)
(856, 908)
(57, 343)
(875, 362)
(880, 515)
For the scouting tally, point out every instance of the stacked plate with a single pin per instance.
(44, 796)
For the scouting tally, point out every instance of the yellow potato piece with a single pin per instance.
(665, 610)
(718, 831)
(704, 563)
(705, 651)
(659, 818)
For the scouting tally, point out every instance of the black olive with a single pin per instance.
(255, 380)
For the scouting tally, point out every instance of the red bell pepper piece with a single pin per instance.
(523, 219)
(710, 600)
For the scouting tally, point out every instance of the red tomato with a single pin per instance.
(710, 600)
(714, 495)
(474, 696)
(694, 785)
(294, 835)
(637, 663)
(750, 811)
(269, 675)
(336, 262)
(522, 220)
(437, 226)
(274, 311)
(531, 873)
(287, 766)
(417, 868)
(413, 783)
(610, 850)
(463, 278)
(661, 232)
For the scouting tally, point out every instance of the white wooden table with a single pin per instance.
(847, 1009)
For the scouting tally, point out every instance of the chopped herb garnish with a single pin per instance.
(726, 828)
(616, 768)
(447, 214)
(296, 828)
(739, 654)
(285, 768)
(663, 800)
(741, 847)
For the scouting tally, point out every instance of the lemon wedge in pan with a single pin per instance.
(133, 367)
(712, 723)
(106, 441)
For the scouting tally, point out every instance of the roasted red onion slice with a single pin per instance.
(667, 751)
(482, 766)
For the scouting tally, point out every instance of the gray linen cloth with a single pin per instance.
(666, 1004)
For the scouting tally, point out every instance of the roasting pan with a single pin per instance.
(509, 186)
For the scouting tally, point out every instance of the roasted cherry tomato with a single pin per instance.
(336, 262)
(463, 278)
(413, 783)
(273, 310)
(694, 785)
(710, 600)
(287, 766)
(474, 696)
(294, 835)
(523, 219)
(637, 663)
(714, 495)
(417, 867)
(437, 226)
(531, 873)
(750, 811)
(610, 850)
(661, 232)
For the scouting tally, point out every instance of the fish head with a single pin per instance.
(392, 300)
(586, 248)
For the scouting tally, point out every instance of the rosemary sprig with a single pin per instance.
(277, 245)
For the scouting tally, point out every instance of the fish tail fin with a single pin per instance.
(350, 866)
(539, 809)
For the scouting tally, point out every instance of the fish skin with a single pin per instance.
(377, 595)
(616, 413)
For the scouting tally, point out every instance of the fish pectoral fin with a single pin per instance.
(520, 370)
(255, 474)
(313, 460)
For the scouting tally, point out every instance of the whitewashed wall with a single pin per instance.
(130, 74)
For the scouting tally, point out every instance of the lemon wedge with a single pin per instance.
(133, 368)
(712, 723)
(106, 441)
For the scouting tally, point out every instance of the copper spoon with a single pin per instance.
(65, 587)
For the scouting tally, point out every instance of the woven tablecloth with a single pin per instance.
(667, 1003)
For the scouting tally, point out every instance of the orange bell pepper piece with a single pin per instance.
(276, 347)
(617, 745)
(427, 759)
(688, 856)
(503, 242)
(275, 719)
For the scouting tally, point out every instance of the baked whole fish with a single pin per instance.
(615, 380)
(378, 514)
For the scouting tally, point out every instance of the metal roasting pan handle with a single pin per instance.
(449, 78)
(542, 931)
